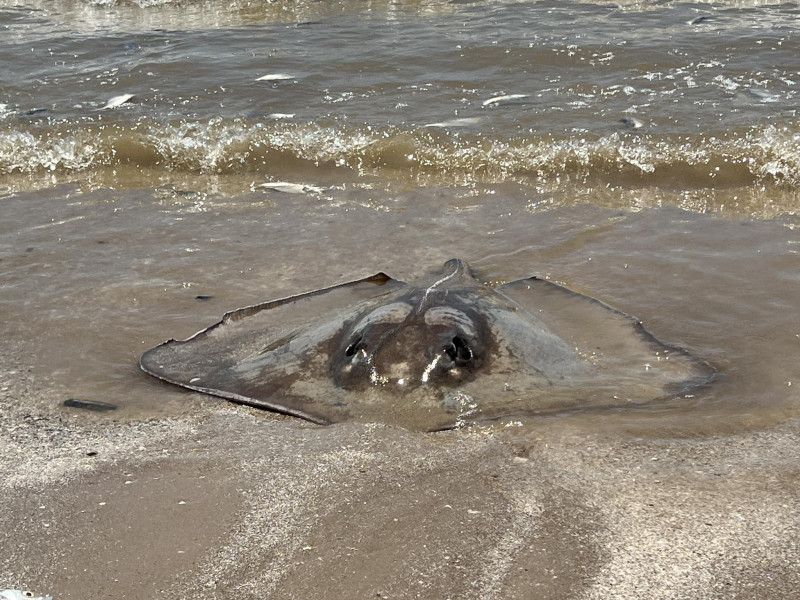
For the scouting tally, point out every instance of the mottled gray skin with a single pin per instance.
(436, 335)
(427, 356)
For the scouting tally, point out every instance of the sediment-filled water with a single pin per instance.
(647, 154)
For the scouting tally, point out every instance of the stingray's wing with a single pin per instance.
(624, 363)
(273, 355)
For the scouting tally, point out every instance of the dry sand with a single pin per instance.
(231, 502)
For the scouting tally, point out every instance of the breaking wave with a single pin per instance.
(766, 156)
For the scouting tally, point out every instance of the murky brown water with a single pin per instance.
(91, 285)
(489, 131)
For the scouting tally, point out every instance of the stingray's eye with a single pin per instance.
(458, 350)
(354, 347)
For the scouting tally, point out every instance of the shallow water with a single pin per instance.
(110, 274)
(674, 95)
(116, 220)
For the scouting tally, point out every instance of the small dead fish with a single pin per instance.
(117, 101)
(760, 95)
(291, 188)
(21, 595)
(631, 122)
(463, 122)
(276, 77)
(504, 98)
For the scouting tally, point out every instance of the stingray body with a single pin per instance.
(429, 356)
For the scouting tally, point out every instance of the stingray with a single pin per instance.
(435, 355)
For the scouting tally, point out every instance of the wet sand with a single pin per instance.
(184, 496)
(234, 502)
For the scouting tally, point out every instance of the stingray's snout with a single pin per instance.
(451, 361)
(458, 351)
(397, 362)
(405, 345)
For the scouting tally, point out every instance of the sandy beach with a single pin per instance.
(164, 162)
(236, 502)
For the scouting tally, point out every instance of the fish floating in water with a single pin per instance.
(631, 123)
(117, 101)
(504, 98)
(277, 77)
(434, 355)
(288, 187)
(463, 122)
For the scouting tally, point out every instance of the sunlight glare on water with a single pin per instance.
(436, 94)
